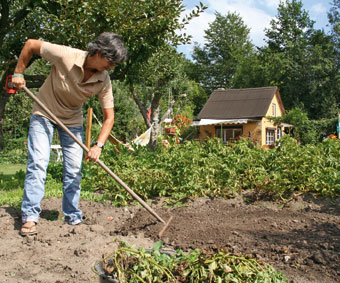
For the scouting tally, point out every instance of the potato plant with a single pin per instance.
(214, 169)
(128, 264)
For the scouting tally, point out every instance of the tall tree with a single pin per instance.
(324, 81)
(163, 72)
(334, 20)
(290, 28)
(294, 60)
(288, 39)
(20, 20)
(227, 44)
(144, 25)
(299, 59)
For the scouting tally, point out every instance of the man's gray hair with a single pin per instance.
(110, 45)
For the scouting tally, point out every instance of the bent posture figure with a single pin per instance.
(75, 76)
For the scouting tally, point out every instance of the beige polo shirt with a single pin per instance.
(63, 92)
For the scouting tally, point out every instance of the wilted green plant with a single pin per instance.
(129, 264)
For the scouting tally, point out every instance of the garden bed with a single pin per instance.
(301, 239)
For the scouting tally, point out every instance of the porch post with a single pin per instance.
(222, 132)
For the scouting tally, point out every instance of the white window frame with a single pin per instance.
(274, 109)
(224, 133)
(279, 133)
(270, 136)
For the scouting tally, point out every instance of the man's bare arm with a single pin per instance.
(32, 46)
(95, 151)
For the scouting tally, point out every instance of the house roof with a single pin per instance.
(239, 103)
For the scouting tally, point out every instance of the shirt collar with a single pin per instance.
(99, 76)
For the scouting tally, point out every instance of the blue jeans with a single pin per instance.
(39, 146)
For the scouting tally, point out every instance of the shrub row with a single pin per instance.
(215, 169)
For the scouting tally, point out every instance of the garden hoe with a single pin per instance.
(11, 89)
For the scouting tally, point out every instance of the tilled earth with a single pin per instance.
(301, 238)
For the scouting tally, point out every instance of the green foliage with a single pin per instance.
(11, 188)
(214, 169)
(306, 131)
(146, 27)
(15, 151)
(301, 62)
(128, 264)
(196, 96)
(12, 182)
(192, 169)
(128, 121)
(227, 44)
(18, 113)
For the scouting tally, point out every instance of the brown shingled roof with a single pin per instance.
(239, 103)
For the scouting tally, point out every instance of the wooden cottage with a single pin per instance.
(234, 113)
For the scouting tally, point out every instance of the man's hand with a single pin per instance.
(94, 153)
(19, 82)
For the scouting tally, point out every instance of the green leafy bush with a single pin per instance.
(12, 182)
(307, 131)
(15, 151)
(215, 169)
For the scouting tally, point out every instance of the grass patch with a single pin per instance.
(11, 198)
(11, 169)
(12, 178)
(12, 189)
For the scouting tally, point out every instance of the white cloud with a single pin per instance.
(270, 3)
(318, 8)
(255, 19)
(256, 14)
(197, 26)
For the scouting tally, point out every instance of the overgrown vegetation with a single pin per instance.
(305, 130)
(190, 170)
(128, 264)
(215, 169)
(193, 169)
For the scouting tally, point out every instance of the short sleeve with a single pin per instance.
(106, 96)
(52, 52)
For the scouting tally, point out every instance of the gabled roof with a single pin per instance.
(240, 103)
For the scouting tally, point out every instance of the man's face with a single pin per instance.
(101, 63)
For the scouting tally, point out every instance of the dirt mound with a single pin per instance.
(301, 239)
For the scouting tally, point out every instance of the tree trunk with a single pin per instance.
(166, 114)
(140, 106)
(155, 129)
(155, 120)
(155, 111)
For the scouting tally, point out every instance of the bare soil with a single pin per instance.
(301, 238)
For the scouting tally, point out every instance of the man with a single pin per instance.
(75, 76)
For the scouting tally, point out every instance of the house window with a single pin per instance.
(279, 133)
(228, 133)
(270, 136)
(274, 109)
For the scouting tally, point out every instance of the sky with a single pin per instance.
(256, 14)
